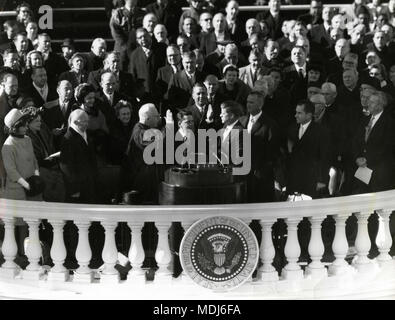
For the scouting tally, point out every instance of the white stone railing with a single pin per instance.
(362, 206)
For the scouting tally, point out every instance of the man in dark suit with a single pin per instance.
(54, 64)
(202, 114)
(236, 27)
(208, 41)
(308, 159)
(383, 51)
(232, 135)
(373, 146)
(40, 89)
(146, 59)
(314, 16)
(181, 84)
(166, 73)
(274, 19)
(94, 59)
(264, 149)
(78, 160)
(295, 76)
(56, 116)
(112, 62)
(168, 14)
(108, 97)
(335, 64)
(320, 34)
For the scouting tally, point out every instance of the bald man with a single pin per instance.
(78, 160)
(138, 175)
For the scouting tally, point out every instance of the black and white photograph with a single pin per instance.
(196, 154)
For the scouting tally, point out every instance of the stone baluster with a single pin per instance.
(58, 253)
(267, 272)
(292, 270)
(384, 239)
(340, 247)
(183, 276)
(316, 249)
(33, 251)
(83, 253)
(163, 254)
(9, 268)
(136, 254)
(362, 244)
(109, 254)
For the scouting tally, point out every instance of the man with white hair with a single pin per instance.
(329, 91)
(94, 59)
(342, 47)
(208, 42)
(78, 160)
(373, 146)
(160, 34)
(138, 174)
(149, 23)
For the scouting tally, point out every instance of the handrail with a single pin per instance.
(366, 203)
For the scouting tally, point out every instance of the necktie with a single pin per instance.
(250, 124)
(301, 132)
(301, 75)
(369, 128)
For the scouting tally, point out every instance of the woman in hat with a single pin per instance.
(19, 160)
(77, 74)
(45, 152)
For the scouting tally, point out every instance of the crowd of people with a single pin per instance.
(315, 94)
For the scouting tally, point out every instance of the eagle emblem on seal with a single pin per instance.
(219, 254)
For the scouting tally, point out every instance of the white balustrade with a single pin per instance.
(136, 254)
(343, 277)
(362, 244)
(267, 273)
(58, 253)
(384, 239)
(9, 268)
(292, 270)
(340, 247)
(33, 251)
(163, 254)
(183, 276)
(109, 254)
(316, 249)
(83, 253)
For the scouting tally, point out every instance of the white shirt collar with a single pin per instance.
(376, 117)
(256, 117)
(109, 96)
(306, 125)
(45, 89)
(228, 129)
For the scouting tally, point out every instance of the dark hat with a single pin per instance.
(68, 43)
(131, 198)
(371, 81)
(314, 66)
(361, 10)
(36, 184)
(224, 42)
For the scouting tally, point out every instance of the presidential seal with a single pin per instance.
(219, 253)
